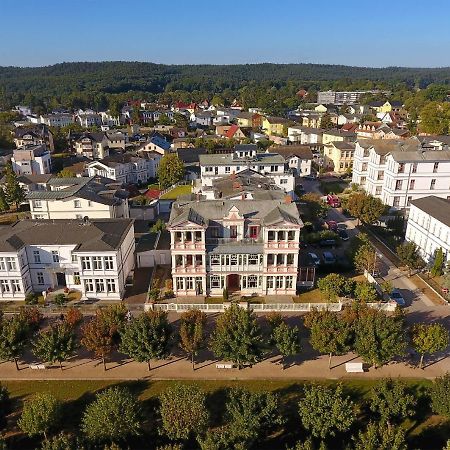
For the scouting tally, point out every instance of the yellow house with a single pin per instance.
(275, 125)
(386, 107)
(338, 156)
(321, 108)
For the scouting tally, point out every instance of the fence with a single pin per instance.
(256, 307)
(180, 183)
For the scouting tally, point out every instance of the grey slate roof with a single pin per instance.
(436, 207)
(94, 235)
(268, 212)
(97, 189)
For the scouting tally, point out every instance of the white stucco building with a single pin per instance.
(246, 157)
(92, 145)
(79, 197)
(31, 160)
(94, 257)
(400, 171)
(429, 226)
(127, 168)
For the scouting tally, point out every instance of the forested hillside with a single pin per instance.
(94, 84)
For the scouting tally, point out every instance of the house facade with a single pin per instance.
(57, 120)
(246, 157)
(245, 246)
(93, 257)
(92, 145)
(400, 171)
(77, 198)
(429, 226)
(32, 160)
(338, 156)
(127, 168)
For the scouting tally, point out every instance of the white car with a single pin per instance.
(315, 259)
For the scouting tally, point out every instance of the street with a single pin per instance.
(419, 306)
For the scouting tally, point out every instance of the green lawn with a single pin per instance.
(174, 193)
(424, 431)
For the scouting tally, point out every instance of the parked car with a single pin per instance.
(397, 297)
(327, 243)
(311, 176)
(331, 225)
(315, 259)
(333, 200)
(328, 258)
(343, 234)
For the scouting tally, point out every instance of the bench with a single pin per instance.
(354, 367)
(37, 366)
(224, 366)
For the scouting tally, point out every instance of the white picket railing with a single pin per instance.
(256, 307)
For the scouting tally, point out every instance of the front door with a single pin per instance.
(233, 282)
(61, 279)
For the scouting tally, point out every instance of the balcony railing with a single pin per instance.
(190, 245)
(233, 241)
(282, 244)
(189, 269)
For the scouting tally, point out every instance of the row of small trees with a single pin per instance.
(237, 336)
(184, 418)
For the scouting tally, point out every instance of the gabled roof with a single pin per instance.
(93, 136)
(189, 215)
(91, 235)
(279, 214)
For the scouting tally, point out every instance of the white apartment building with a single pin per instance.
(429, 226)
(93, 257)
(31, 160)
(298, 158)
(89, 119)
(246, 157)
(92, 145)
(57, 120)
(246, 246)
(126, 169)
(399, 171)
(79, 197)
(343, 97)
(305, 135)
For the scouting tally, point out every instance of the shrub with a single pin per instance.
(440, 395)
(31, 298)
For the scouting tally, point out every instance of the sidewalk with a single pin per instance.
(179, 368)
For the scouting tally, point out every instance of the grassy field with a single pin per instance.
(179, 190)
(425, 431)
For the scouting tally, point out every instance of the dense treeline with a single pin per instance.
(94, 84)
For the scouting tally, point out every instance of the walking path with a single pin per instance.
(180, 368)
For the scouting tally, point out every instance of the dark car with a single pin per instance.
(327, 243)
(343, 234)
(397, 297)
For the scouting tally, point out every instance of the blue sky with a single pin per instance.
(397, 32)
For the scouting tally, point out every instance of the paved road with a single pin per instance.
(420, 306)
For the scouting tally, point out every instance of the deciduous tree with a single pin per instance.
(391, 401)
(14, 334)
(40, 414)
(409, 255)
(331, 286)
(379, 337)
(14, 193)
(330, 334)
(114, 416)
(325, 410)
(98, 338)
(171, 170)
(147, 337)
(365, 207)
(365, 292)
(251, 415)
(429, 338)
(183, 411)
(65, 173)
(440, 395)
(192, 332)
(438, 263)
(378, 436)
(237, 336)
(55, 344)
(286, 339)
